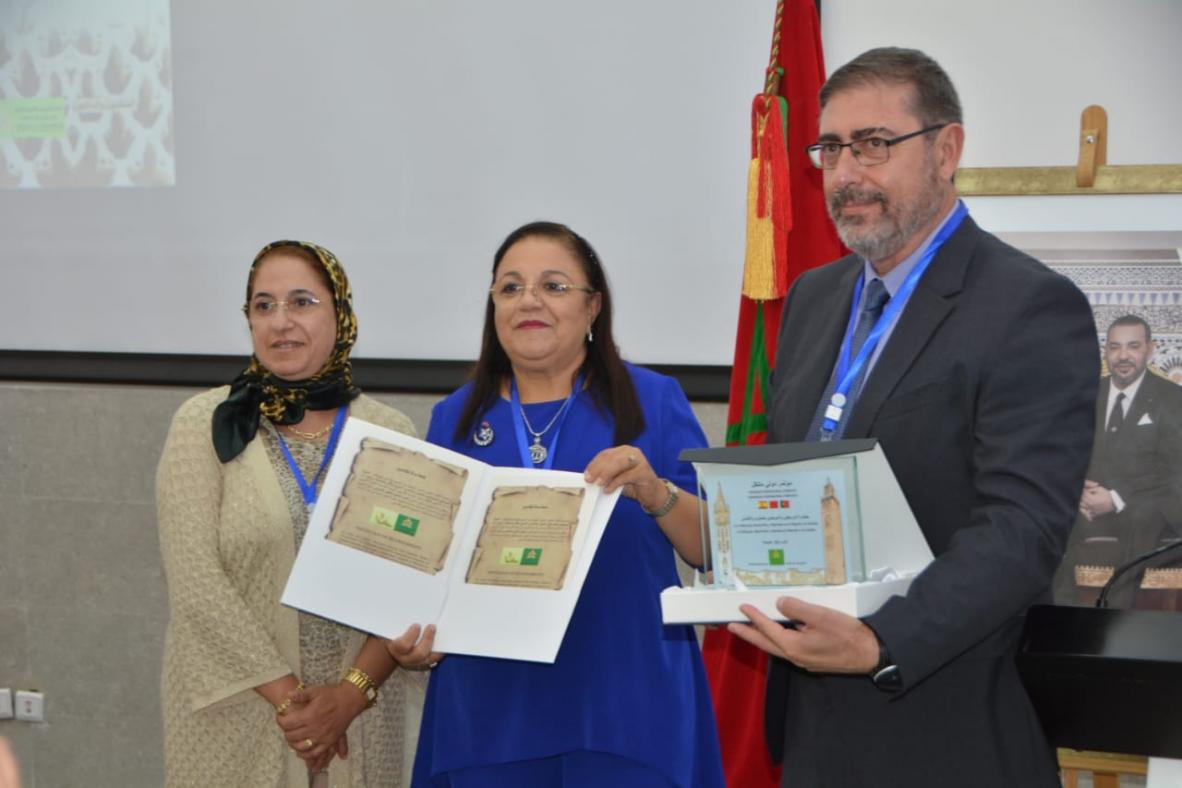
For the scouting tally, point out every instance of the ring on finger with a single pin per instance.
(631, 460)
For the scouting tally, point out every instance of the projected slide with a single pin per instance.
(85, 94)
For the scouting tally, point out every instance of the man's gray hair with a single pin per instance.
(934, 100)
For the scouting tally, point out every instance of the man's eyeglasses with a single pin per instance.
(297, 305)
(550, 290)
(868, 151)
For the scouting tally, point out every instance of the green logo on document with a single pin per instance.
(402, 523)
(521, 556)
(775, 557)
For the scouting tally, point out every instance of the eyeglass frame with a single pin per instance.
(278, 302)
(814, 150)
(566, 288)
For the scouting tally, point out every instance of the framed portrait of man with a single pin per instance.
(1131, 505)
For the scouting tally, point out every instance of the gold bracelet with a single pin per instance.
(282, 708)
(670, 502)
(361, 680)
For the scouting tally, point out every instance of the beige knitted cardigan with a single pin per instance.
(227, 544)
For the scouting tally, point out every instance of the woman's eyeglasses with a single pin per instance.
(296, 306)
(550, 290)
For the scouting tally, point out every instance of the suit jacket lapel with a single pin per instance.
(816, 366)
(1102, 408)
(934, 297)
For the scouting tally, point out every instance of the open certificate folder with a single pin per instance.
(406, 532)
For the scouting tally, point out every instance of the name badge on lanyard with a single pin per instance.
(308, 487)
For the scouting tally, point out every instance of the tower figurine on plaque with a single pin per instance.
(722, 523)
(831, 531)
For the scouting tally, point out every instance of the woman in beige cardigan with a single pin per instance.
(256, 694)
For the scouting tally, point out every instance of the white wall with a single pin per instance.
(1025, 70)
(410, 138)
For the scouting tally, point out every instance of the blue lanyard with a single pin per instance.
(519, 424)
(308, 488)
(847, 371)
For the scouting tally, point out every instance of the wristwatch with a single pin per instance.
(361, 680)
(885, 675)
(670, 502)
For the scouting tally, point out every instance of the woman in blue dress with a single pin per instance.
(626, 701)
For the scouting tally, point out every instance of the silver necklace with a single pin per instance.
(537, 452)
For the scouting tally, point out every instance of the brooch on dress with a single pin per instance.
(483, 436)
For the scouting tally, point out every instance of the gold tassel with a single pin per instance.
(759, 277)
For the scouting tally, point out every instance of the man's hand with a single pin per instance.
(1096, 501)
(824, 641)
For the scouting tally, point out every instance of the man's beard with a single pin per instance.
(1123, 380)
(899, 223)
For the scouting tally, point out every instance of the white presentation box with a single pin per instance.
(823, 522)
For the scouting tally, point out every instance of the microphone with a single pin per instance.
(1102, 600)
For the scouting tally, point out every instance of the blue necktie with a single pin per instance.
(872, 306)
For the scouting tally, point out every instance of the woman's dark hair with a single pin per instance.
(608, 381)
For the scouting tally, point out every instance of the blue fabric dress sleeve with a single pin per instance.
(439, 432)
(444, 417)
(677, 429)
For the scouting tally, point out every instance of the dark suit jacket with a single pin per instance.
(1142, 462)
(984, 403)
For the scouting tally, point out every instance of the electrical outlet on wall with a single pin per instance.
(5, 703)
(30, 706)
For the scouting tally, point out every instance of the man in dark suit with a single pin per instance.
(1132, 499)
(980, 383)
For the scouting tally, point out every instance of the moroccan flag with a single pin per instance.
(784, 239)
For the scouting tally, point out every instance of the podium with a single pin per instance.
(1105, 679)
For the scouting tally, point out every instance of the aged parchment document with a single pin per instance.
(406, 532)
(526, 537)
(400, 505)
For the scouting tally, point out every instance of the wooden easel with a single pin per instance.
(1106, 768)
(1091, 175)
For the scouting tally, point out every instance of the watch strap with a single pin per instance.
(886, 675)
(670, 502)
(361, 680)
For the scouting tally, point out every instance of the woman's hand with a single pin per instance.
(412, 652)
(627, 467)
(315, 724)
(321, 763)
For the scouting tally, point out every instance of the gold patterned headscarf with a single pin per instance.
(257, 392)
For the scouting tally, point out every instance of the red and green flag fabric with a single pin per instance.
(788, 232)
